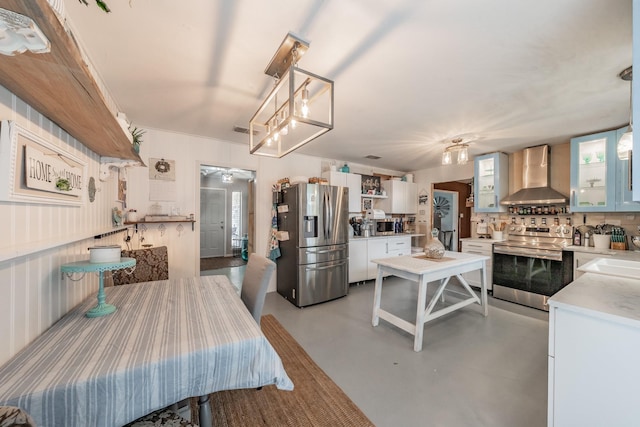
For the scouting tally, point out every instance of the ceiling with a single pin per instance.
(408, 74)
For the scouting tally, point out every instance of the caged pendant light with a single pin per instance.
(297, 110)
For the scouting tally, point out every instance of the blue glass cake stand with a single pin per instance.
(84, 267)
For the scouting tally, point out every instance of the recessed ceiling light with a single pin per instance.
(372, 157)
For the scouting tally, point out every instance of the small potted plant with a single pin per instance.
(137, 138)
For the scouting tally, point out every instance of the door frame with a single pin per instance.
(251, 203)
(455, 213)
(464, 189)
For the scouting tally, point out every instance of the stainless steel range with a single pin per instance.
(530, 266)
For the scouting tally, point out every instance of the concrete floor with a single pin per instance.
(472, 371)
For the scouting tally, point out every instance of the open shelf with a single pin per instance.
(168, 221)
(373, 196)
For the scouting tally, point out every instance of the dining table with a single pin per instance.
(168, 340)
(422, 270)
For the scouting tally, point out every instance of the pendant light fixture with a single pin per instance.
(460, 148)
(227, 177)
(297, 110)
(625, 144)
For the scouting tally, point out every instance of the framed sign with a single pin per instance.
(33, 170)
(370, 185)
(367, 204)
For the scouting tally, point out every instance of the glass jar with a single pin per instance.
(434, 247)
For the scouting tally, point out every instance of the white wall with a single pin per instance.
(189, 152)
(33, 294)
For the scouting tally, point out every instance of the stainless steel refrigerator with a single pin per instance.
(314, 262)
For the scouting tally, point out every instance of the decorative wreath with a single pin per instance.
(162, 166)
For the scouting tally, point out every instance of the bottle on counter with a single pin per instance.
(586, 238)
(577, 238)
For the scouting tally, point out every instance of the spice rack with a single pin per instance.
(538, 210)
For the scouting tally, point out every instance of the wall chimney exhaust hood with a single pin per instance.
(535, 180)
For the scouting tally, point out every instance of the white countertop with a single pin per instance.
(417, 265)
(481, 240)
(388, 235)
(609, 297)
(633, 255)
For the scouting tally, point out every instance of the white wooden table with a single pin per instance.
(423, 271)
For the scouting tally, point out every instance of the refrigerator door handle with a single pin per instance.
(331, 213)
(322, 252)
(325, 267)
(326, 212)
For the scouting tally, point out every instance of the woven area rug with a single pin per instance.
(315, 401)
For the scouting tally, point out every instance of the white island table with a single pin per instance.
(423, 271)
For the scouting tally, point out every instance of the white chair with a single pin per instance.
(255, 282)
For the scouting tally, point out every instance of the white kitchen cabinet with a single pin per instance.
(385, 247)
(581, 258)
(594, 342)
(479, 248)
(351, 181)
(358, 260)
(376, 248)
(402, 197)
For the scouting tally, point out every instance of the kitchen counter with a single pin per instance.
(631, 255)
(384, 236)
(481, 240)
(594, 340)
(605, 296)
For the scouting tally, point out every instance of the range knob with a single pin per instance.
(565, 230)
(512, 228)
(519, 229)
(558, 230)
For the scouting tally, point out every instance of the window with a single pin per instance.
(236, 216)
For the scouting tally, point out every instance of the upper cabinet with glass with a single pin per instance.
(491, 182)
(592, 170)
(599, 177)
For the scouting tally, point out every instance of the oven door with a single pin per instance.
(530, 278)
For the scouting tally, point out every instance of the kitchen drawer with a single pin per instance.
(477, 247)
(400, 244)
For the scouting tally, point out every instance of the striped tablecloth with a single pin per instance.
(168, 340)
